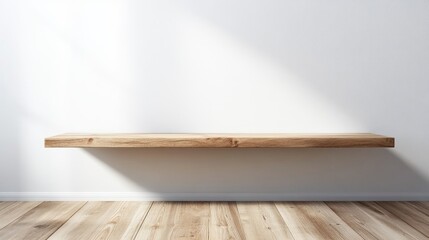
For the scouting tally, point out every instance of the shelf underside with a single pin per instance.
(227, 140)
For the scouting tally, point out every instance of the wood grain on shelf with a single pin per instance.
(221, 140)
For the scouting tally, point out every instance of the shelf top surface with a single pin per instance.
(222, 140)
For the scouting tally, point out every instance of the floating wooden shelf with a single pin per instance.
(214, 140)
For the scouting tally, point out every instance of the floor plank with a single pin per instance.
(412, 214)
(262, 221)
(314, 220)
(176, 220)
(5, 204)
(41, 221)
(104, 220)
(215, 220)
(225, 221)
(374, 222)
(421, 206)
(10, 211)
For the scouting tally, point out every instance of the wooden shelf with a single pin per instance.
(214, 140)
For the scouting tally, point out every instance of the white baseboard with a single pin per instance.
(145, 196)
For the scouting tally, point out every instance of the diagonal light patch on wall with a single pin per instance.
(360, 57)
(235, 88)
(73, 76)
(189, 74)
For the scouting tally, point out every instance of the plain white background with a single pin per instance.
(214, 66)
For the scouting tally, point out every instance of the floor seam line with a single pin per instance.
(142, 221)
(20, 216)
(66, 220)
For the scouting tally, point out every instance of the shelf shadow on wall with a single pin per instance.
(266, 174)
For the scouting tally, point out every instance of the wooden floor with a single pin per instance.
(214, 220)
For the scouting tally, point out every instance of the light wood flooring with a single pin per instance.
(214, 220)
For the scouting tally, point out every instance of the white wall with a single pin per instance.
(214, 66)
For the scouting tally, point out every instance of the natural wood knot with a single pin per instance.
(41, 226)
(234, 142)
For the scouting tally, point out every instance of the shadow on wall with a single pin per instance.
(265, 174)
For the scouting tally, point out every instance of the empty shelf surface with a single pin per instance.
(221, 140)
